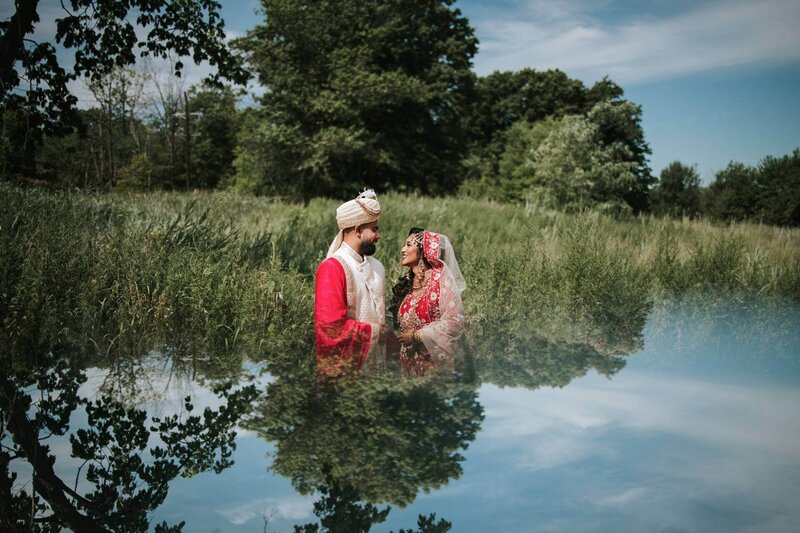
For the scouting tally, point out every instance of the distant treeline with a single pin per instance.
(382, 94)
(768, 192)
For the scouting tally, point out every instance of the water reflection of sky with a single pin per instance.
(700, 432)
(643, 451)
(639, 452)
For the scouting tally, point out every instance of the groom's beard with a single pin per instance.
(368, 248)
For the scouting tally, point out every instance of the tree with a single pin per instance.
(503, 99)
(214, 133)
(568, 164)
(619, 124)
(340, 511)
(103, 35)
(779, 181)
(678, 191)
(768, 192)
(73, 159)
(573, 169)
(734, 193)
(17, 144)
(358, 92)
(118, 94)
(165, 105)
(515, 167)
(506, 107)
(383, 438)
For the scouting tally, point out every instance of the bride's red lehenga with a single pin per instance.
(436, 313)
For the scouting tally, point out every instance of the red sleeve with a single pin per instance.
(339, 339)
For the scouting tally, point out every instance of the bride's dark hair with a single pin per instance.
(406, 281)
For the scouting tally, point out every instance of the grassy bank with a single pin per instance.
(122, 269)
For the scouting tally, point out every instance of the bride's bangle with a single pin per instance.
(415, 337)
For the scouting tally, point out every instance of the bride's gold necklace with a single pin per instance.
(420, 282)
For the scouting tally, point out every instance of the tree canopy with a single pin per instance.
(385, 438)
(576, 161)
(768, 192)
(677, 192)
(358, 92)
(103, 35)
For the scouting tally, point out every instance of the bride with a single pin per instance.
(426, 303)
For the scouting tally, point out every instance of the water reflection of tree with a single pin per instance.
(340, 510)
(137, 378)
(123, 475)
(531, 357)
(384, 437)
(546, 364)
(362, 441)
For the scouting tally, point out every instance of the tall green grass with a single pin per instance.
(88, 272)
(219, 271)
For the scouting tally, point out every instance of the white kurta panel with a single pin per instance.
(365, 298)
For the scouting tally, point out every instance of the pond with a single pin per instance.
(693, 426)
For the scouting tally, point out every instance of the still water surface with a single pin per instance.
(699, 430)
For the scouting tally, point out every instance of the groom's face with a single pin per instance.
(370, 236)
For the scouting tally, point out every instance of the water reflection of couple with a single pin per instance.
(349, 307)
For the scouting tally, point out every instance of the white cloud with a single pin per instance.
(717, 34)
(552, 451)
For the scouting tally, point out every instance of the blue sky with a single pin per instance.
(718, 80)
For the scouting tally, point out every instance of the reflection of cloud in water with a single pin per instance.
(623, 498)
(291, 508)
(726, 416)
(159, 391)
(660, 450)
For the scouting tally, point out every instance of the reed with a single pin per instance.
(129, 269)
(93, 272)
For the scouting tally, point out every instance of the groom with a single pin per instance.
(349, 313)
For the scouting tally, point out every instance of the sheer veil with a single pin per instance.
(450, 263)
(440, 337)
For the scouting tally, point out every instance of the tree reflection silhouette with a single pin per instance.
(383, 436)
(544, 363)
(340, 511)
(529, 358)
(124, 475)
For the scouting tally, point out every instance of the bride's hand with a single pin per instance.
(406, 337)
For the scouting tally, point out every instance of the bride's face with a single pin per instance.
(409, 253)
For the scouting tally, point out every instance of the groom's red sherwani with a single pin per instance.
(342, 342)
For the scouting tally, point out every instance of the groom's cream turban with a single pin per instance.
(362, 210)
